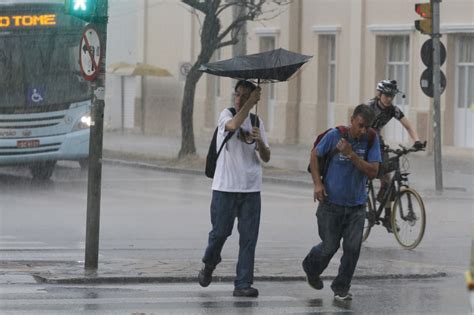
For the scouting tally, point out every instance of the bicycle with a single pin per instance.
(408, 215)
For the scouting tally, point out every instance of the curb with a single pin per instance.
(192, 279)
(144, 165)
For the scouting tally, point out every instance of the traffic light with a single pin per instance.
(83, 9)
(424, 25)
(87, 10)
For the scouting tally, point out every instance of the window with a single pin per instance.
(464, 91)
(331, 45)
(465, 72)
(268, 43)
(397, 67)
(395, 61)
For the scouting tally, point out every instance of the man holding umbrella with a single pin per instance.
(236, 189)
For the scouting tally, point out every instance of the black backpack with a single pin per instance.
(213, 154)
(323, 161)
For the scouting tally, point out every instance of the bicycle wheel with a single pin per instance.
(408, 218)
(369, 220)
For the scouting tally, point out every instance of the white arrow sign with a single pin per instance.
(90, 53)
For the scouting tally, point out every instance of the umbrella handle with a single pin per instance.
(256, 105)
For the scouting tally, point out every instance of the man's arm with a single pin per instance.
(234, 124)
(319, 191)
(368, 168)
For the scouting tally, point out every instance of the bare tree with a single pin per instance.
(213, 37)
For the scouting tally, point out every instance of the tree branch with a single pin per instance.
(233, 41)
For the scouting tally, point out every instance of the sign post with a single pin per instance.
(92, 63)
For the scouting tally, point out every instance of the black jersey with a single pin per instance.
(384, 114)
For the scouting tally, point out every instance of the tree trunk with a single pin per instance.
(188, 146)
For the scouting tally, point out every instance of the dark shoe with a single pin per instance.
(205, 276)
(387, 223)
(247, 292)
(343, 296)
(314, 281)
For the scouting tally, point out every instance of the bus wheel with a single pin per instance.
(84, 163)
(42, 170)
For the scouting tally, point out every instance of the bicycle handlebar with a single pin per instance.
(404, 150)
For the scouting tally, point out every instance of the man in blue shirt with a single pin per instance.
(342, 199)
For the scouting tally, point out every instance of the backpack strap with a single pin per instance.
(254, 120)
(343, 131)
(229, 135)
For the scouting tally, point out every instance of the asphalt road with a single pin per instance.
(159, 215)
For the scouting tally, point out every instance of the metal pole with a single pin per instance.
(95, 154)
(122, 103)
(437, 95)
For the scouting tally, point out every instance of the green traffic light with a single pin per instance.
(80, 5)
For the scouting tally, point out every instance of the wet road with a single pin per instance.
(374, 297)
(158, 215)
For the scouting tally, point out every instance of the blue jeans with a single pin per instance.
(225, 207)
(336, 222)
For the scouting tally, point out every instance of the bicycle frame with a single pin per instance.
(398, 181)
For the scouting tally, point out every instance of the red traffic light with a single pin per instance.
(423, 10)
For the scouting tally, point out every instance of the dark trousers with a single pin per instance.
(225, 207)
(336, 223)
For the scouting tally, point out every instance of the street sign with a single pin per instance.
(426, 82)
(90, 53)
(427, 53)
(184, 68)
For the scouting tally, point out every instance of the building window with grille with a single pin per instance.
(397, 67)
(331, 44)
(464, 91)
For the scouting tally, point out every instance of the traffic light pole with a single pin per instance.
(95, 150)
(437, 95)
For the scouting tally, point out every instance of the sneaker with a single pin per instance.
(314, 281)
(343, 296)
(246, 292)
(205, 276)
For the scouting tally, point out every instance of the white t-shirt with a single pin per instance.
(238, 168)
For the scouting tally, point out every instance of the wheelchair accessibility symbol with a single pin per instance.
(35, 96)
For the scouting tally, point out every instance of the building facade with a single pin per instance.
(355, 44)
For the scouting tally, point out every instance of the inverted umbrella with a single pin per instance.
(270, 66)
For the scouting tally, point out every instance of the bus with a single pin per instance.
(45, 103)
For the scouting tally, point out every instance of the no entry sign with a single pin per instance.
(90, 53)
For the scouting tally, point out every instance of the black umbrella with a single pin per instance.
(270, 66)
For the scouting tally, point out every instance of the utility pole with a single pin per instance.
(433, 80)
(437, 95)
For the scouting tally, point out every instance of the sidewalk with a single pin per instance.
(287, 166)
(288, 162)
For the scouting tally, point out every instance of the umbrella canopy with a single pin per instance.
(139, 69)
(270, 66)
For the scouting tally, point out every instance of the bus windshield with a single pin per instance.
(39, 66)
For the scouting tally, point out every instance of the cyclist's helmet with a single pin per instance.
(388, 87)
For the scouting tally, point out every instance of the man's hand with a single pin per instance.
(344, 147)
(419, 145)
(254, 97)
(319, 192)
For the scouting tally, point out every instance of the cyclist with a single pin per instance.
(385, 110)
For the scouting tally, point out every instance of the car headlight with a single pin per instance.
(83, 123)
